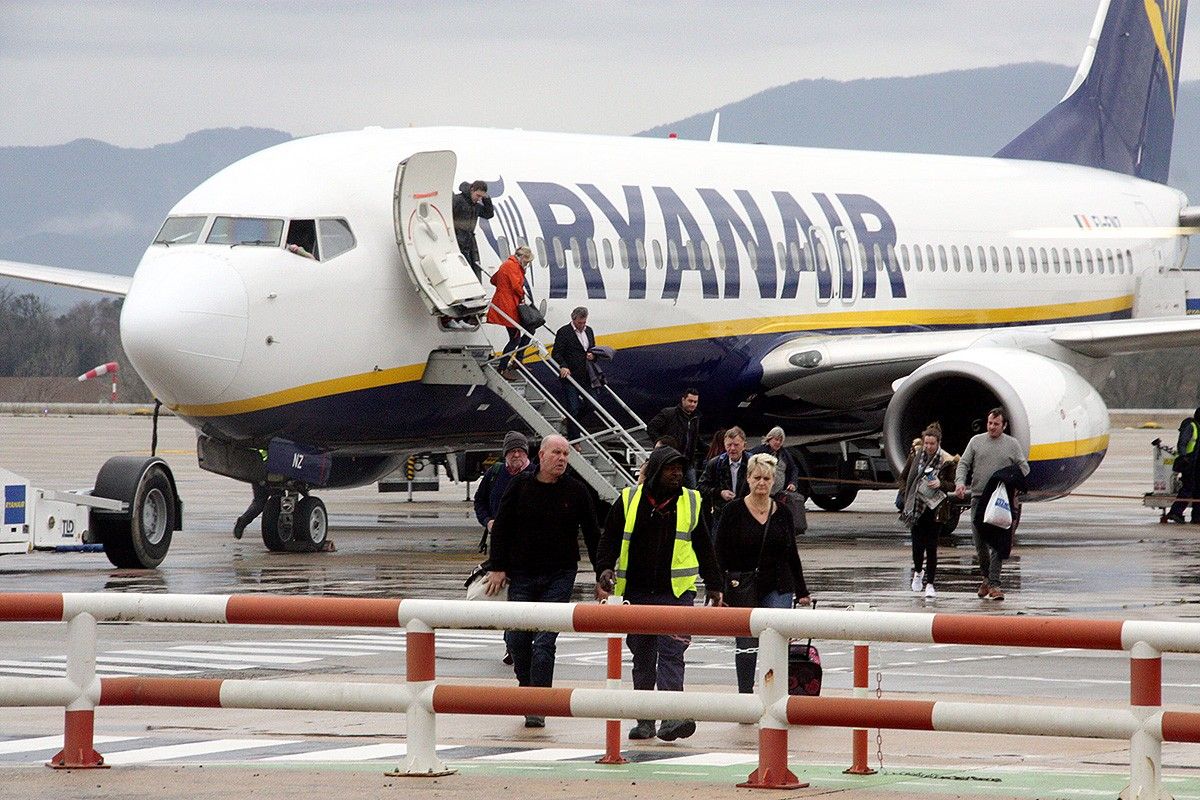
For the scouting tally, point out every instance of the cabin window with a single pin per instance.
(706, 261)
(930, 258)
(249, 231)
(689, 248)
(658, 255)
(541, 248)
(967, 259)
(560, 255)
(1129, 265)
(1099, 262)
(1111, 266)
(890, 254)
(797, 253)
(995, 260)
(623, 253)
(608, 254)
(917, 258)
(751, 254)
(880, 264)
(640, 244)
(1078, 261)
(1008, 261)
(806, 254)
(1054, 260)
(1087, 257)
(180, 230)
(1020, 261)
(954, 258)
(593, 257)
(905, 264)
(1043, 259)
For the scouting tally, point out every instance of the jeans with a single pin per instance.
(989, 557)
(533, 651)
(745, 655)
(516, 345)
(658, 660)
(925, 543)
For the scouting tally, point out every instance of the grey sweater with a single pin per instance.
(984, 455)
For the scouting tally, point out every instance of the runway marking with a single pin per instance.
(52, 743)
(222, 653)
(362, 752)
(173, 751)
(543, 754)
(711, 759)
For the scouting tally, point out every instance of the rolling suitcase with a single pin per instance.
(804, 668)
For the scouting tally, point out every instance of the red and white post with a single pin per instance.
(78, 747)
(1145, 747)
(862, 687)
(421, 672)
(772, 772)
(612, 727)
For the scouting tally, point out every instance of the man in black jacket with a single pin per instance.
(655, 544)
(724, 478)
(1187, 450)
(535, 550)
(471, 203)
(573, 345)
(682, 423)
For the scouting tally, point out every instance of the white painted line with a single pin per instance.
(362, 752)
(249, 656)
(543, 754)
(34, 672)
(119, 657)
(710, 759)
(53, 743)
(191, 749)
(679, 772)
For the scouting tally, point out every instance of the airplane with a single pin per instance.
(841, 294)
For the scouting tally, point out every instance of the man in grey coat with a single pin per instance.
(985, 454)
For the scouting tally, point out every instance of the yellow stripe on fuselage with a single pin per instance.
(1059, 450)
(830, 320)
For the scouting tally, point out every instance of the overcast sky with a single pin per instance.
(141, 73)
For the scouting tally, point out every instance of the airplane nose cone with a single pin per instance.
(183, 325)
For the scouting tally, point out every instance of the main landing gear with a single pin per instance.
(295, 523)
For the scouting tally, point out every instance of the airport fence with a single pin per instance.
(1145, 724)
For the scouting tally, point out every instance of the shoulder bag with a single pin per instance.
(741, 586)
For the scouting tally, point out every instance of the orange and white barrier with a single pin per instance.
(1144, 723)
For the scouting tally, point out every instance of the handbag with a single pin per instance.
(741, 586)
(998, 511)
(530, 317)
(476, 585)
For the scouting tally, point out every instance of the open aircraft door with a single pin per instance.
(425, 234)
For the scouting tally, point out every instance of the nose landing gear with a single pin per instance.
(294, 523)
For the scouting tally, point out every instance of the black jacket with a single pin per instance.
(466, 215)
(569, 353)
(1014, 482)
(679, 426)
(652, 543)
(536, 531)
(740, 542)
(717, 477)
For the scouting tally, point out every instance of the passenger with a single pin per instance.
(724, 478)
(257, 504)
(535, 551)
(655, 543)
(924, 485)
(471, 203)
(787, 477)
(573, 345)
(665, 441)
(496, 480)
(716, 445)
(681, 421)
(509, 281)
(986, 454)
(754, 538)
(1185, 464)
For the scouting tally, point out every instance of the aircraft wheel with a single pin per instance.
(837, 501)
(270, 524)
(310, 524)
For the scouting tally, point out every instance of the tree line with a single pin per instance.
(37, 342)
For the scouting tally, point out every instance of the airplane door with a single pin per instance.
(847, 273)
(425, 235)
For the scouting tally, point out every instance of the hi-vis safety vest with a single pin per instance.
(1191, 445)
(685, 567)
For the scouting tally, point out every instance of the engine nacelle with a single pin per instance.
(1052, 411)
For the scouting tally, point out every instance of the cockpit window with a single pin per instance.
(246, 231)
(336, 237)
(180, 230)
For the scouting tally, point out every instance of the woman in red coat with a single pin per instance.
(509, 281)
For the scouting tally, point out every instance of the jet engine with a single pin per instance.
(1052, 411)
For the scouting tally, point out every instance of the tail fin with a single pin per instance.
(1119, 113)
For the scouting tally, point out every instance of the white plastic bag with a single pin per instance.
(477, 586)
(998, 512)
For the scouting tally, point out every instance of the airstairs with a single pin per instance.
(604, 457)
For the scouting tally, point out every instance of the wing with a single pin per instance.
(853, 371)
(79, 279)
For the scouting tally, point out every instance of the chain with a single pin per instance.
(879, 731)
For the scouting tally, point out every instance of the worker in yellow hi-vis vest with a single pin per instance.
(1186, 454)
(654, 546)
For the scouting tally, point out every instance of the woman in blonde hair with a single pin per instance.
(757, 551)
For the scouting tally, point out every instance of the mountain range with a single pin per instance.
(90, 205)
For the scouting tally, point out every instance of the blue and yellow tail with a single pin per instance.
(1119, 113)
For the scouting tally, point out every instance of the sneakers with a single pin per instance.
(994, 593)
(239, 528)
(1175, 516)
(534, 721)
(930, 592)
(643, 730)
(982, 591)
(918, 580)
(672, 729)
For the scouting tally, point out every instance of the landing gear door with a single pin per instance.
(425, 235)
